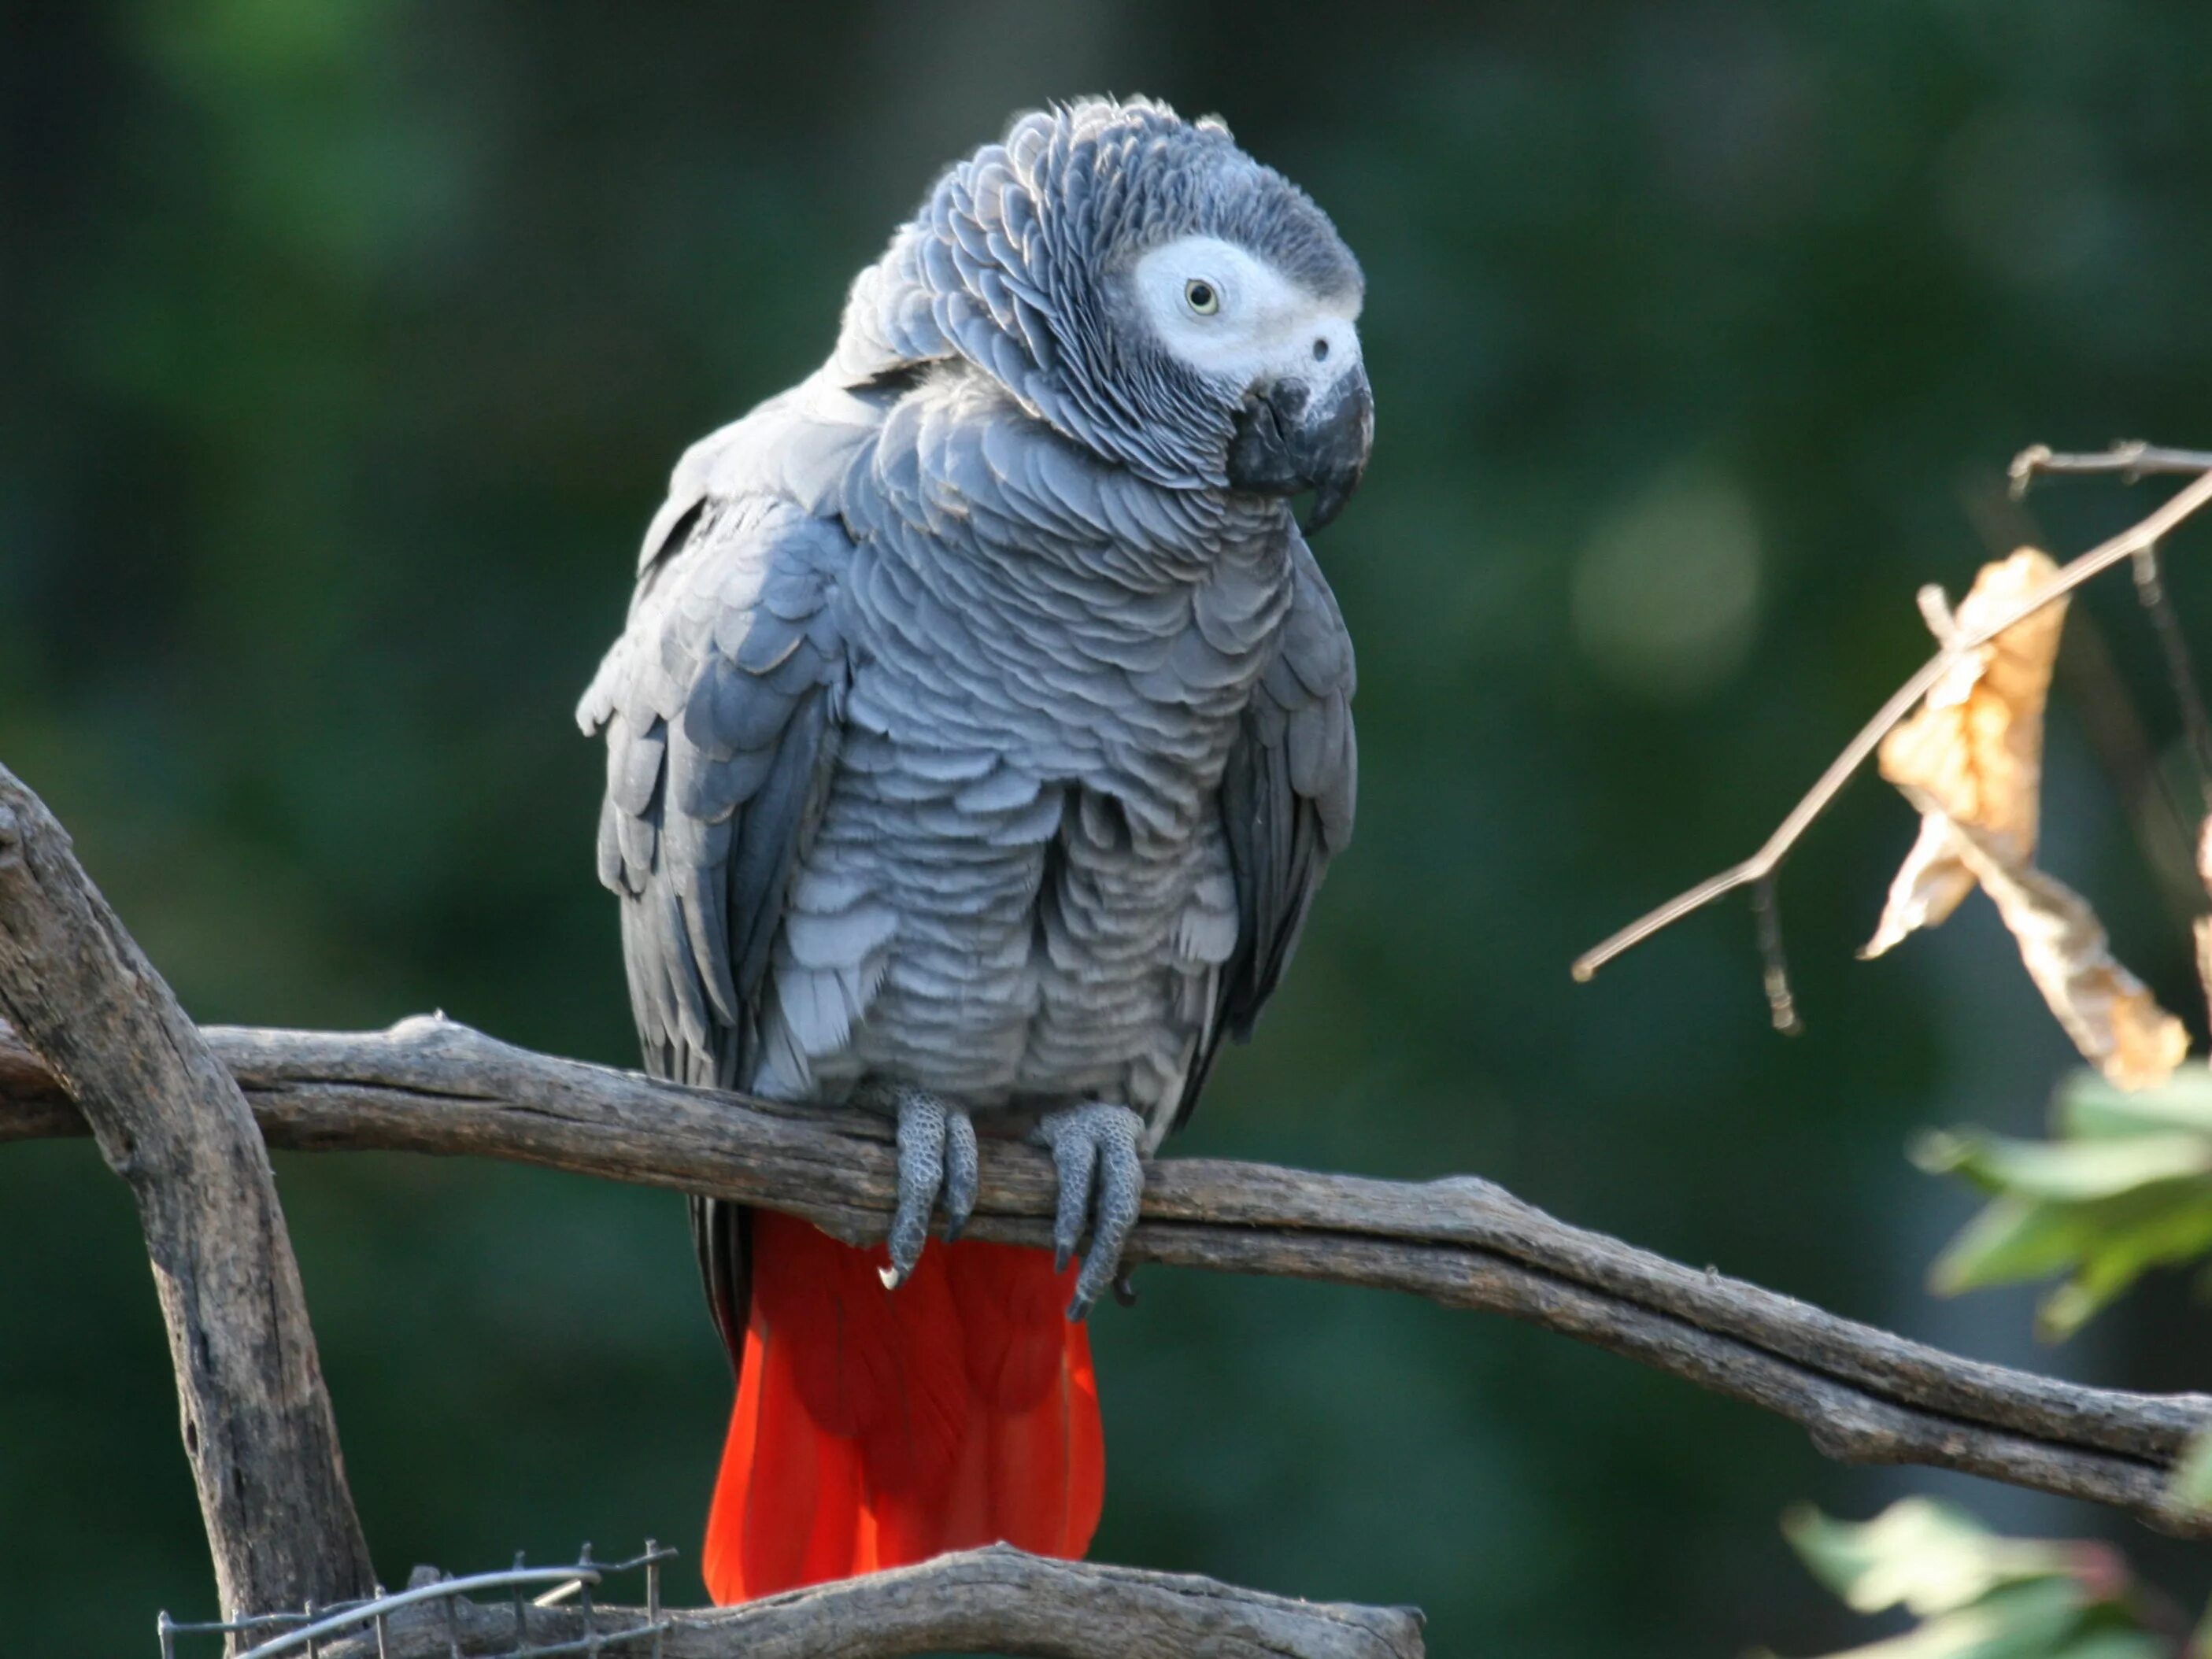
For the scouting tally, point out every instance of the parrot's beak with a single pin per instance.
(1288, 442)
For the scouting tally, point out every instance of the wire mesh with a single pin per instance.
(307, 1632)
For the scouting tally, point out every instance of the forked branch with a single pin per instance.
(2130, 460)
(257, 1420)
(109, 1052)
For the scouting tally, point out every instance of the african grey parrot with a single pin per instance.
(979, 734)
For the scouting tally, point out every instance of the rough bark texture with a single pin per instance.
(430, 1085)
(987, 1601)
(170, 1120)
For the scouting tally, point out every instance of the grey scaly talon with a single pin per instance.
(936, 1153)
(1074, 1159)
(963, 1174)
(1102, 1180)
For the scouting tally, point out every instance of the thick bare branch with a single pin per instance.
(987, 1601)
(430, 1085)
(169, 1120)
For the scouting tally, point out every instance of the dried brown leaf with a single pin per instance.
(1976, 746)
(2110, 1014)
(1972, 760)
(1974, 752)
(1930, 884)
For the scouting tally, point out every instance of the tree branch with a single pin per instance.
(169, 1120)
(993, 1600)
(431, 1086)
(2139, 537)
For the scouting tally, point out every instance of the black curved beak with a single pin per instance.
(1286, 442)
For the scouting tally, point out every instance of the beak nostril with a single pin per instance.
(1320, 350)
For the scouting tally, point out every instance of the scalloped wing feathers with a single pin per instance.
(1288, 794)
(716, 705)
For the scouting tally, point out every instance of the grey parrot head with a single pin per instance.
(1146, 288)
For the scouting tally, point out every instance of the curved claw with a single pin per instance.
(1102, 1179)
(936, 1154)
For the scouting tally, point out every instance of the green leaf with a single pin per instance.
(2076, 1169)
(2089, 1107)
(2192, 1475)
(2012, 1239)
(2125, 1240)
(1925, 1556)
(2115, 1644)
(1978, 1596)
(2127, 1187)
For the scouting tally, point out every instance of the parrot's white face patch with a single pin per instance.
(1239, 320)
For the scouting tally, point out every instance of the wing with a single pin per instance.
(1287, 800)
(717, 705)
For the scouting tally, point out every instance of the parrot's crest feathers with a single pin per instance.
(1013, 260)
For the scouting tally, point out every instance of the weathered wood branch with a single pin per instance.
(170, 1120)
(988, 1601)
(430, 1085)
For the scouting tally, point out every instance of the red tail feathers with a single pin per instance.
(875, 1428)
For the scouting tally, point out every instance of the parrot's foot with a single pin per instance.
(936, 1159)
(1102, 1178)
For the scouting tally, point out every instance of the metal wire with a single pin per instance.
(305, 1632)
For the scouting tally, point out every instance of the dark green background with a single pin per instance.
(344, 347)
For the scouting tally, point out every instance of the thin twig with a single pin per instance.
(430, 1085)
(2164, 829)
(996, 1600)
(1780, 1005)
(2180, 670)
(2132, 459)
(1763, 863)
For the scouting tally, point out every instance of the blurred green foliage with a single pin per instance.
(2125, 1187)
(1977, 1595)
(345, 347)
(2192, 1479)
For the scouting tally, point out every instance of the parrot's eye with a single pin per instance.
(1201, 297)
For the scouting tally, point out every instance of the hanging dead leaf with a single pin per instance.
(2110, 1014)
(1927, 886)
(1972, 760)
(1974, 752)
